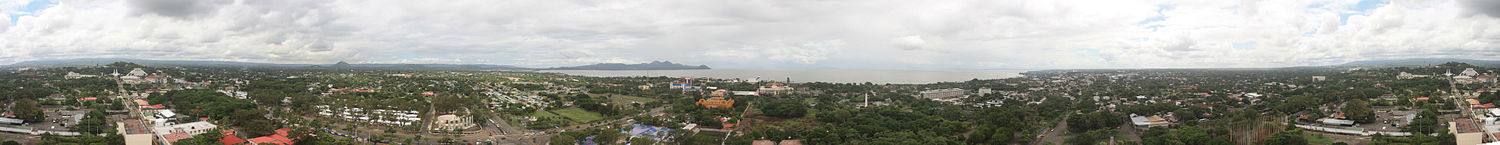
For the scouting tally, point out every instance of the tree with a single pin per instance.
(784, 108)
(27, 109)
(94, 122)
(252, 121)
(1359, 110)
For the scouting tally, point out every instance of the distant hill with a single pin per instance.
(1418, 62)
(231, 64)
(654, 65)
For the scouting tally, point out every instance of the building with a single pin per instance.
(156, 79)
(168, 134)
(942, 93)
(1147, 122)
(1469, 72)
(11, 121)
(1464, 79)
(1319, 78)
(451, 122)
(718, 93)
(716, 102)
(1465, 132)
(280, 138)
(774, 88)
(1485, 79)
(137, 72)
(73, 75)
(1405, 75)
(1332, 121)
(983, 91)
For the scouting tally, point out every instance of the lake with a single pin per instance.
(837, 76)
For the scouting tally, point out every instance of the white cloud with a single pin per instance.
(880, 34)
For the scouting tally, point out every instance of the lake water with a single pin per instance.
(838, 76)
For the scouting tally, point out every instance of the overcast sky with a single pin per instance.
(757, 34)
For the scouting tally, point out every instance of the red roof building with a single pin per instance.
(716, 102)
(230, 139)
(174, 137)
(278, 138)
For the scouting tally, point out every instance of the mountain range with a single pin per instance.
(655, 65)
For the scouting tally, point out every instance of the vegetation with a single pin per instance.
(29, 110)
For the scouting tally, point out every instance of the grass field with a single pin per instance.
(541, 114)
(624, 99)
(1318, 139)
(578, 114)
(708, 137)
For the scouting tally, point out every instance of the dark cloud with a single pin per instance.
(181, 9)
(1487, 7)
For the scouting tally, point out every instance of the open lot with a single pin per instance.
(578, 114)
(624, 99)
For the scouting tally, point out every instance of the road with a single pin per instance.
(1056, 134)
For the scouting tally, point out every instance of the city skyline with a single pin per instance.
(947, 35)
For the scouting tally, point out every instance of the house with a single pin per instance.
(230, 139)
(716, 102)
(280, 138)
(1486, 79)
(1319, 78)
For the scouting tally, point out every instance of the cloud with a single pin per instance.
(838, 34)
(1486, 7)
(912, 42)
(182, 9)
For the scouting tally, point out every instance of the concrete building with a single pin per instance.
(716, 102)
(942, 93)
(137, 72)
(1319, 78)
(73, 75)
(1465, 132)
(774, 88)
(451, 122)
(1146, 122)
(168, 134)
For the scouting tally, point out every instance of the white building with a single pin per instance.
(1469, 72)
(168, 134)
(137, 72)
(451, 122)
(942, 93)
(1319, 78)
(74, 75)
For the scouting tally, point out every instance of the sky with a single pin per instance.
(758, 34)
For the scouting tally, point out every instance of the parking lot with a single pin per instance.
(58, 118)
(1388, 119)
